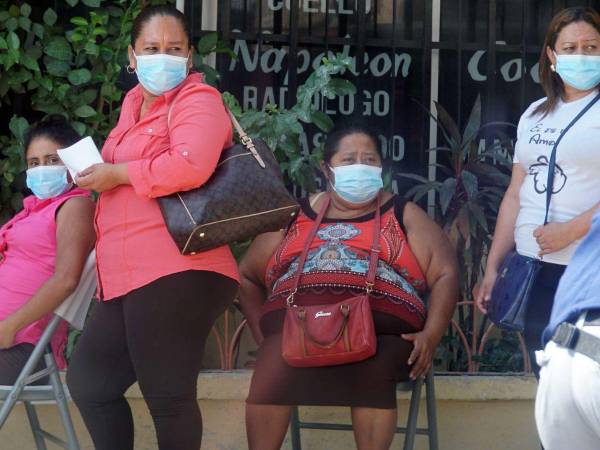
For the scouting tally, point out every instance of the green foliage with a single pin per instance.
(210, 44)
(281, 128)
(468, 198)
(67, 69)
(66, 66)
(11, 164)
(502, 354)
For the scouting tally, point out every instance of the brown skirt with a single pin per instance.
(370, 383)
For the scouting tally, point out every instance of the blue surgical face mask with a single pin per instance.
(579, 71)
(47, 181)
(357, 183)
(160, 73)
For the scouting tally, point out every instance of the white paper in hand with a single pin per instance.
(80, 156)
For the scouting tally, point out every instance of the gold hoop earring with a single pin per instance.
(130, 69)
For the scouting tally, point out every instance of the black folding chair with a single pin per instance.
(411, 429)
(73, 310)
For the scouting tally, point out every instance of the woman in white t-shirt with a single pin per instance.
(570, 76)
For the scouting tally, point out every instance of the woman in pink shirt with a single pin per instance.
(43, 249)
(157, 306)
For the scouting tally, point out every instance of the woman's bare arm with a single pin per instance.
(253, 292)
(437, 259)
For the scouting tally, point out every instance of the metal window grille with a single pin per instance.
(407, 53)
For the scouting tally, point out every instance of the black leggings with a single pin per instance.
(539, 309)
(155, 335)
(12, 361)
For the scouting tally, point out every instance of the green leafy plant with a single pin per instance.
(210, 44)
(469, 193)
(69, 69)
(281, 128)
(11, 164)
(473, 185)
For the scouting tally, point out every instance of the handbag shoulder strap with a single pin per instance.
(552, 163)
(305, 249)
(244, 138)
(315, 199)
(373, 257)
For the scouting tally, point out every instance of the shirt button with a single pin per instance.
(150, 130)
(185, 153)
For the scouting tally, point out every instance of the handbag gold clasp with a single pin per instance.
(247, 142)
(369, 287)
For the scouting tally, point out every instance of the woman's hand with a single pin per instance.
(484, 291)
(553, 237)
(421, 357)
(437, 257)
(7, 334)
(103, 177)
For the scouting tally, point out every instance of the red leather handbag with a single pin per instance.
(332, 334)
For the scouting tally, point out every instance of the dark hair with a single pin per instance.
(332, 142)
(55, 128)
(551, 83)
(149, 12)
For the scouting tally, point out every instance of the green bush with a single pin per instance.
(69, 69)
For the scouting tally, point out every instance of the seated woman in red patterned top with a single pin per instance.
(415, 258)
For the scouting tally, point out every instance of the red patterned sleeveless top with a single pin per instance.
(338, 261)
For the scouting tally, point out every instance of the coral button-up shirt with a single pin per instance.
(133, 247)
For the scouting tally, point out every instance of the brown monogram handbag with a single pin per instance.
(245, 196)
(339, 333)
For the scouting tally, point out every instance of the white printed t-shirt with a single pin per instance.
(577, 171)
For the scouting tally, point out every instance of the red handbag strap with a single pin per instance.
(373, 257)
(304, 254)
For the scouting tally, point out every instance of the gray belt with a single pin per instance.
(592, 317)
(569, 336)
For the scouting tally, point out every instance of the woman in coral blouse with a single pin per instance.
(157, 306)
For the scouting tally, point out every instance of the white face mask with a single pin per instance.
(48, 181)
(579, 71)
(357, 183)
(160, 73)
